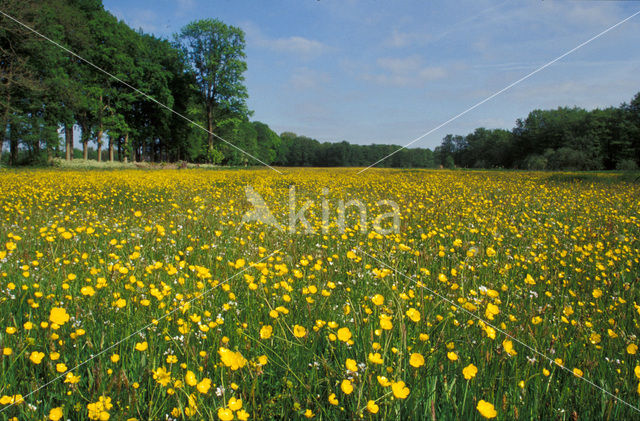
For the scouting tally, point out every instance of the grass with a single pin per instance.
(206, 311)
(90, 164)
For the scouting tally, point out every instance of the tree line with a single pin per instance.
(564, 138)
(195, 110)
(194, 80)
(196, 107)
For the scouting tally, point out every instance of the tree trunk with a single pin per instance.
(210, 126)
(13, 147)
(68, 136)
(85, 139)
(99, 141)
(99, 137)
(5, 122)
(110, 148)
(126, 148)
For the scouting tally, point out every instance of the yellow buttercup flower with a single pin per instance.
(59, 316)
(332, 399)
(162, 376)
(36, 357)
(375, 358)
(507, 344)
(56, 414)
(344, 334)
(233, 360)
(486, 409)
(346, 387)
(299, 331)
(385, 322)
(491, 311)
(225, 414)
(142, 346)
(413, 314)
(372, 407)
(190, 378)
(469, 371)
(399, 389)
(234, 404)
(384, 382)
(266, 331)
(377, 300)
(71, 378)
(529, 280)
(416, 360)
(204, 385)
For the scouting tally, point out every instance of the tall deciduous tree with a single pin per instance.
(215, 53)
(18, 78)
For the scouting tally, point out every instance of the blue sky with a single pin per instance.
(389, 71)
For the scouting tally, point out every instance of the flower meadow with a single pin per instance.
(142, 295)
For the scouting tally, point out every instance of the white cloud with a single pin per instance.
(305, 78)
(302, 47)
(399, 39)
(585, 14)
(432, 73)
(589, 93)
(405, 71)
(400, 65)
(184, 6)
(296, 45)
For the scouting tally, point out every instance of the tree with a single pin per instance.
(243, 135)
(632, 122)
(19, 78)
(268, 142)
(215, 53)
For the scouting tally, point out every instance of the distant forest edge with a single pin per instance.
(52, 101)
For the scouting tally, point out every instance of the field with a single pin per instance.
(141, 295)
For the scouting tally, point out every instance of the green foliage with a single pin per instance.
(214, 52)
(448, 162)
(536, 162)
(215, 156)
(560, 139)
(627, 165)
